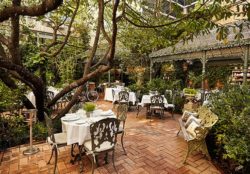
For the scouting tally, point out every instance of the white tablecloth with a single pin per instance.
(80, 132)
(109, 96)
(32, 97)
(146, 100)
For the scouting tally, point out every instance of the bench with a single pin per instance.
(197, 142)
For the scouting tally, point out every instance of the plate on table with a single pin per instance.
(107, 113)
(81, 122)
(70, 117)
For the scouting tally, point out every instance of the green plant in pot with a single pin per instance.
(89, 107)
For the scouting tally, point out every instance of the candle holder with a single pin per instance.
(30, 117)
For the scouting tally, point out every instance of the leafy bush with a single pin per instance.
(231, 134)
(40, 131)
(14, 131)
(157, 84)
(136, 88)
(9, 99)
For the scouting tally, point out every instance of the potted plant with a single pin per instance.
(89, 107)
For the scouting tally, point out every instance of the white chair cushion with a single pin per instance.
(156, 107)
(191, 129)
(60, 138)
(120, 128)
(104, 146)
(187, 114)
(169, 105)
(190, 119)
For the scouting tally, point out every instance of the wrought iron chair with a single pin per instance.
(56, 140)
(123, 97)
(122, 110)
(103, 139)
(139, 105)
(157, 104)
(49, 95)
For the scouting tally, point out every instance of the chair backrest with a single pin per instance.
(49, 95)
(104, 132)
(122, 110)
(123, 97)
(49, 125)
(208, 118)
(157, 100)
(113, 94)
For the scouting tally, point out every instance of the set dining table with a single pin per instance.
(30, 95)
(77, 125)
(109, 95)
(146, 100)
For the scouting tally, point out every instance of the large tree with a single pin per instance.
(108, 15)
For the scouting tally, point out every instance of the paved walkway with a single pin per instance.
(152, 148)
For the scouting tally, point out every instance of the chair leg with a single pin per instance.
(51, 155)
(56, 154)
(125, 153)
(113, 160)
(138, 110)
(178, 131)
(173, 113)
(80, 158)
(93, 161)
(106, 158)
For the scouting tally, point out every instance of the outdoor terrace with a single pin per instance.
(152, 147)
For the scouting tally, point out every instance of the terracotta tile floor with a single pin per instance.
(152, 148)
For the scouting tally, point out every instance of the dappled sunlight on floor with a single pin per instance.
(152, 147)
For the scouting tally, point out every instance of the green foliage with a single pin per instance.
(195, 78)
(157, 84)
(9, 99)
(40, 131)
(189, 91)
(139, 89)
(221, 73)
(178, 101)
(13, 131)
(89, 106)
(232, 133)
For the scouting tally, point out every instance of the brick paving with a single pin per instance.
(152, 148)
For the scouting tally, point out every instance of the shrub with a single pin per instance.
(9, 99)
(231, 134)
(15, 131)
(40, 131)
(157, 84)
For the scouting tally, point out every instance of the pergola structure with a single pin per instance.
(208, 50)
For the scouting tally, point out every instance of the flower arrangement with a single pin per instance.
(89, 106)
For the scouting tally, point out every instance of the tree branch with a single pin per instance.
(14, 38)
(3, 40)
(55, 53)
(97, 35)
(22, 72)
(35, 10)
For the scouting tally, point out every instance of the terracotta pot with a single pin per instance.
(219, 84)
(206, 84)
